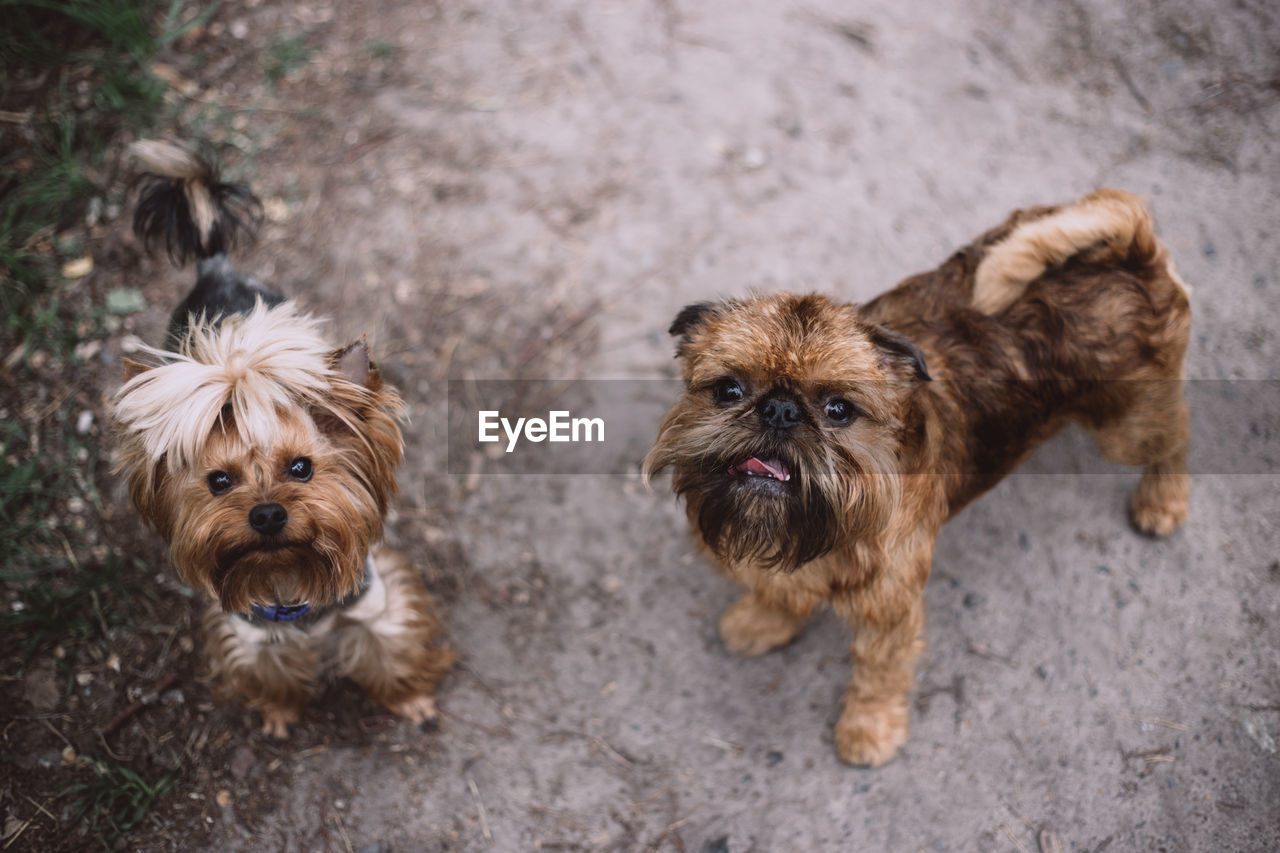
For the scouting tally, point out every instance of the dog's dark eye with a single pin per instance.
(219, 482)
(300, 469)
(840, 411)
(727, 391)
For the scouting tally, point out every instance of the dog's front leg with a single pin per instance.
(887, 617)
(768, 616)
(269, 668)
(386, 640)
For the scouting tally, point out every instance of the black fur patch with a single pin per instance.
(221, 291)
(691, 317)
(164, 215)
(781, 529)
(901, 351)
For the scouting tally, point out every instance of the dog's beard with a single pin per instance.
(774, 524)
(288, 573)
(775, 502)
(318, 559)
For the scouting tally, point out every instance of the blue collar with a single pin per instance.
(293, 612)
(280, 612)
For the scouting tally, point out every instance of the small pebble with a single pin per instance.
(717, 845)
(242, 762)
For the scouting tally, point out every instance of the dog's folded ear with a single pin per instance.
(899, 354)
(691, 318)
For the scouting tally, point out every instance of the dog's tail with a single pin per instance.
(184, 205)
(1105, 227)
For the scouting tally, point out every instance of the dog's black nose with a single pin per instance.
(268, 518)
(780, 413)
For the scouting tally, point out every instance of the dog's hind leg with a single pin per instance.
(1153, 432)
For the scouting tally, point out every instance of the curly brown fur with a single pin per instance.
(1071, 313)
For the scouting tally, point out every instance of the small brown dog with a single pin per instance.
(820, 447)
(266, 460)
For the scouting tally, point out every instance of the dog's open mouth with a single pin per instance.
(767, 475)
(756, 467)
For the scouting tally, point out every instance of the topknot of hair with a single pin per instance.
(263, 364)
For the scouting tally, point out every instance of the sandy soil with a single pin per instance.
(534, 189)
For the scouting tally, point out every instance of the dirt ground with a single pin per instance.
(528, 189)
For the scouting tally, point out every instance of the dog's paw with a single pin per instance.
(1157, 520)
(748, 628)
(419, 709)
(275, 723)
(870, 734)
(1160, 504)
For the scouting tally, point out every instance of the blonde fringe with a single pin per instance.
(262, 363)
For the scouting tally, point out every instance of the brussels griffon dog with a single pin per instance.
(820, 446)
(266, 458)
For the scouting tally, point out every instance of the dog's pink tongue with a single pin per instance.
(770, 468)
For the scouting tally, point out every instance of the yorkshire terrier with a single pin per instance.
(819, 447)
(266, 460)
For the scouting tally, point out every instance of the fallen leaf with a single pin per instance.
(79, 268)
(125, 300)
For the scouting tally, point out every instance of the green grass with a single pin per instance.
(79, 70)
(31, 490)
(285, 55)
(381, 49)
(116, 799)
(52, 157)
(75, 75)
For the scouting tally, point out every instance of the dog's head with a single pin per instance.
(785, 443)
(264, 458)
